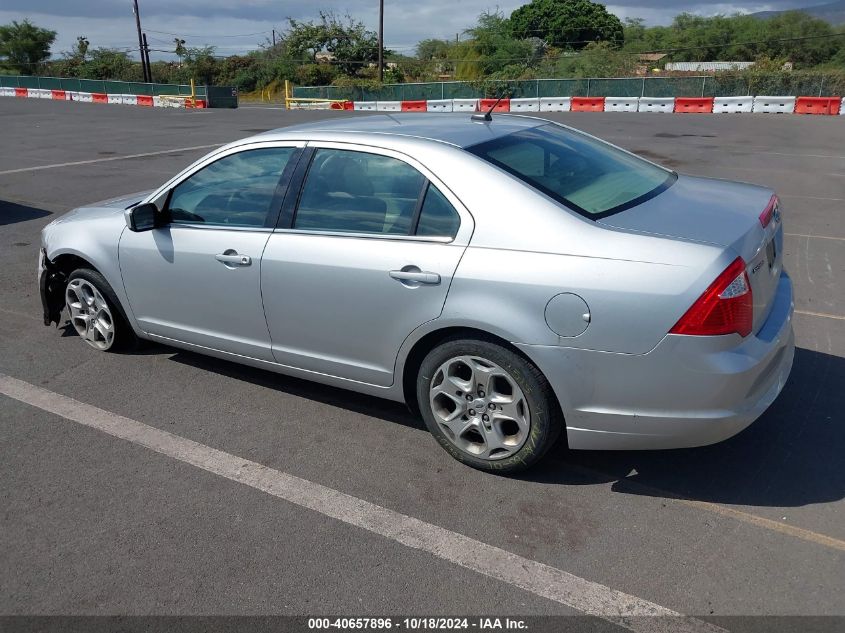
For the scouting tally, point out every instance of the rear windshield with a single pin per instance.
(587, 175)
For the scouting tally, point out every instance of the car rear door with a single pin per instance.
(197, 279)
(362, 258)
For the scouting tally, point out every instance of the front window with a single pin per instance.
(588, 175)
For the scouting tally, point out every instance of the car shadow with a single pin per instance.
(791, 456)
(11, 212)
(342, 398)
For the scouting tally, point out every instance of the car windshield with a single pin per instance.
(584, 173)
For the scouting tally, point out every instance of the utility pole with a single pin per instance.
(381, 40)
(140, 39)
(147, 59)
(274, 38)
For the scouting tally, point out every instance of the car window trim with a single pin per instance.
(412, 228)
(275, 202)
(415, 218)
(465, 216)
(293, 190)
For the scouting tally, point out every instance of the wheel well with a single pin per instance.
(431, 340)
(68, 263)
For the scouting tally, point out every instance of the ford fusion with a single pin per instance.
(512, 280)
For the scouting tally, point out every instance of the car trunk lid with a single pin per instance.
(722, 213)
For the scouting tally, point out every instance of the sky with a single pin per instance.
(234, 26)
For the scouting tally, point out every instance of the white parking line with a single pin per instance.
(106, 160)
(538, 578)
(823, 315)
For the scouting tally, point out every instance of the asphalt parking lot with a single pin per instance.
(93, 524)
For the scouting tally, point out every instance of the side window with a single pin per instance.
(237, 190)
(438, 217)
(356, 192)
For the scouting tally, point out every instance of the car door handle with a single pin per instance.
(416, 275)
(233, 259)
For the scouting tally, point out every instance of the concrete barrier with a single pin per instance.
(366, 106)
(729, 105)
(656, 104)
(525, 105)
(621, 104)
(389, 106)
(555, 104)
(774, 105)
(818, 105)
(464, 105)
(438, 105)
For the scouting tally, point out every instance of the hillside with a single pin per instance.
(833, 12)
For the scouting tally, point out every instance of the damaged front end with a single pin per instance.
(52, 282)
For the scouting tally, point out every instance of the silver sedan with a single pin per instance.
(513, 280)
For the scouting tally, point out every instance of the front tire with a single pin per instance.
(487, 406)
(95, 312)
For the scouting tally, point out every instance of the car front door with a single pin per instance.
(366, 257)
(197, 279)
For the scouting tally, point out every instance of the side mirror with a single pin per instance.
(142, 217)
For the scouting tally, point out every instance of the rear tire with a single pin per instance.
(487, 406)
(96, 314)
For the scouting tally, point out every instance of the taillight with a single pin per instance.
(769, 212)
(724, 308)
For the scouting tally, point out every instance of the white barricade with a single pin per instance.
(7, 92)
(39, 93)
(389, 106)
(115, 98)
(621, 104)
(656, 104)
(464, 105)
(842, 106)
(780, 105)
(84, 97)
(733, 104)
(525, 105)
(438, 105)
(129, 99)
(555, 104)
(368, 106)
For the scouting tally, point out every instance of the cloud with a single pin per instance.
(236, 27)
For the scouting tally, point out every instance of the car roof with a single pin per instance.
(455, 129)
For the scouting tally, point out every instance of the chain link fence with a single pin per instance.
(721, 85)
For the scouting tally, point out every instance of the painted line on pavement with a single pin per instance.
(823, 315)
(816, 237)
(109, 159)
(716, 508)
(538, 578)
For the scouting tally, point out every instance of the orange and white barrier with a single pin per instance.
(149, 101)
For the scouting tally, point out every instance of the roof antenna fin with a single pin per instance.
(486, 116)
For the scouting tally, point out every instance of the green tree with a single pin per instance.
(352, 46)
(81, 49)
(492, 48)
(23, 46)
(567, 23)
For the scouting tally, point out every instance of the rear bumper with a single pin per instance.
(688, 391)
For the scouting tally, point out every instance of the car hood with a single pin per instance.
(104, 208)
(707, 210)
